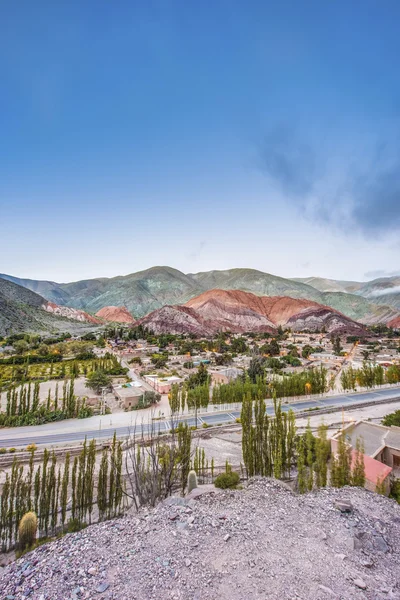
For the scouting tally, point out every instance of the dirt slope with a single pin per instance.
(259, 543)
(395, 323)
(116, 314)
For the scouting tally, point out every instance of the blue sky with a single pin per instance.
(199, 135)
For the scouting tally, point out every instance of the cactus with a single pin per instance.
(192, 481)
(27, 530)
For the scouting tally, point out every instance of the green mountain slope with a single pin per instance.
(21, 311)
(251, 280)
(50, 290)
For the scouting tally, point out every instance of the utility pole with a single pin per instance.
(103, 401)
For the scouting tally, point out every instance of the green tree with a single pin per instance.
(358, 473)
(97, 380)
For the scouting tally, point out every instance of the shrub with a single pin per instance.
(31, 448)
(206, 425)
(227, 480)
(3, 450)
(75, 525)
(192, 481)
(27, 530)
(12, 450)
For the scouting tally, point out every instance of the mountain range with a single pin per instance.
(145, 291)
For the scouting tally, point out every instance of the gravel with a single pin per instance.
(262, 542)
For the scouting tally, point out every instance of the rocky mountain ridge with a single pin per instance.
(239, 312)
(260, 542)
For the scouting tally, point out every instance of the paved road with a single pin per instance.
(103, 428)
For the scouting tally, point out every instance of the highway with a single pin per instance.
(125, 423)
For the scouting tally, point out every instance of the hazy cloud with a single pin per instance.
(393, 290)
(288, 161)
(366, 198)
(194, 255)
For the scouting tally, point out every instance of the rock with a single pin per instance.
(367, 562)
(227, 537)
(92, 571)
(102, 587)
(188, 562)
(360, 583)
(344, 506)
(340, 556)
(327, 590)
(380, 544)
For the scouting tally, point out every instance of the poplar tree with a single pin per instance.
(358, 473)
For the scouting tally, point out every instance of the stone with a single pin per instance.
(380, 544)
(226, 537)
(102, 587)
(344, 506)
(341, 556)
(188, 562)
(92, 571)
(326, 589)
(360, 583)
(367, 562)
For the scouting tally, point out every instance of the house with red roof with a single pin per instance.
(381, 451)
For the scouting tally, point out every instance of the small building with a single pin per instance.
(162, 385)
(128, 396)
(224, 375)
(381, 450)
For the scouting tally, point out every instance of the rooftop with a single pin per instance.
(374, 437)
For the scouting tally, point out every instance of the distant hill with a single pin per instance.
(257, 282)
(329, 285)
(384, 291)
(139, 292)
(22, 310)
(146, 291)
(239, 312)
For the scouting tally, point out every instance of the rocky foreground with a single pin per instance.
(262, 542)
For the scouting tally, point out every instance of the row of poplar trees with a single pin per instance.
(62, 495)
(369, 376)
(272, 448)
(24, 407)
(313, 381)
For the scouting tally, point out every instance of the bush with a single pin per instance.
(3, 450)
(75, 525)
(12, 450)
(227, 480)
(31, 448)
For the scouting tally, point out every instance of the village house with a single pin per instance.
(224, 375)
(381, 451)
(128, 396)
